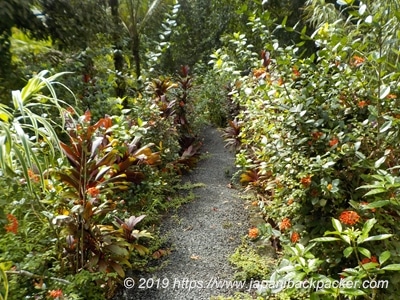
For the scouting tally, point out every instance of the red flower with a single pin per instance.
(70, 110)
(93, 192)
(285, 224)
(88, 116)
(254, 233)
(34, 177)
(316, 135)
(356, 61)
(295, 237)
(366, 260)
(333, 142)
(349, 217)
(12, 225)
(391, 96)
(306, 181)
(362, 104)
(55, 293)
(259, 72)
(296, 72)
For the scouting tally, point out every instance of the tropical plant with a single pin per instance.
(94, 236)
(136, 17)
(304, 146)
(4, 282)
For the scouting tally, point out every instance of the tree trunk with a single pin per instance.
(5, 55)
(118, 57)
(136, 53)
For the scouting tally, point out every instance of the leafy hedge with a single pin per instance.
(318, 141)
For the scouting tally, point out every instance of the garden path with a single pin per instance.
(203, 236)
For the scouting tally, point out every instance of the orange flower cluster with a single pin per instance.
(290, 201)
(34, 177)
(295, 71)
(333, 142)
(362, 104)
(316, 135)
(12, 225)
(366, 260)
(391, 96)
(259, 72)
(306, 181)
(56, 294)
(87, 116)
(349, 217)
(70, 110)
(285, 224)
(356, 61)
(295, 237)
(254, 233)
(93, 192)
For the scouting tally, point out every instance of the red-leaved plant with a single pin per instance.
(99, 165)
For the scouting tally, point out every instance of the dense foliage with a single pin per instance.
(92, 149)
(317, 137)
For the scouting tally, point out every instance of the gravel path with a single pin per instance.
(205, 234)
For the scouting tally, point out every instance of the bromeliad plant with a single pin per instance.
(92, 232)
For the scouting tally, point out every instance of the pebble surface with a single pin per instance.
(206, 232)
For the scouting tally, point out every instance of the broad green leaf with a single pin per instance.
(374, 192)
(384, 91)
(141, 249)
(348, 251)
(368, 226)
(117, 250)
(384, 257)
(380, 161)
(325, 239)
(364, 252)
(392, 267)
(386, 126)
(117, 268)
(337, 225)
(378, 237)
(346, 239)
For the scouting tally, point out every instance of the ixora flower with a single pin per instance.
(56, 294)
(349, 217)
(295, 237)
(367, 260)
(254, 233)
(356, 61)
(12, 225)
(333, 142)
(317, 134)
(285, 224)
(362, 104)
(93, 192)
(306, 181)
